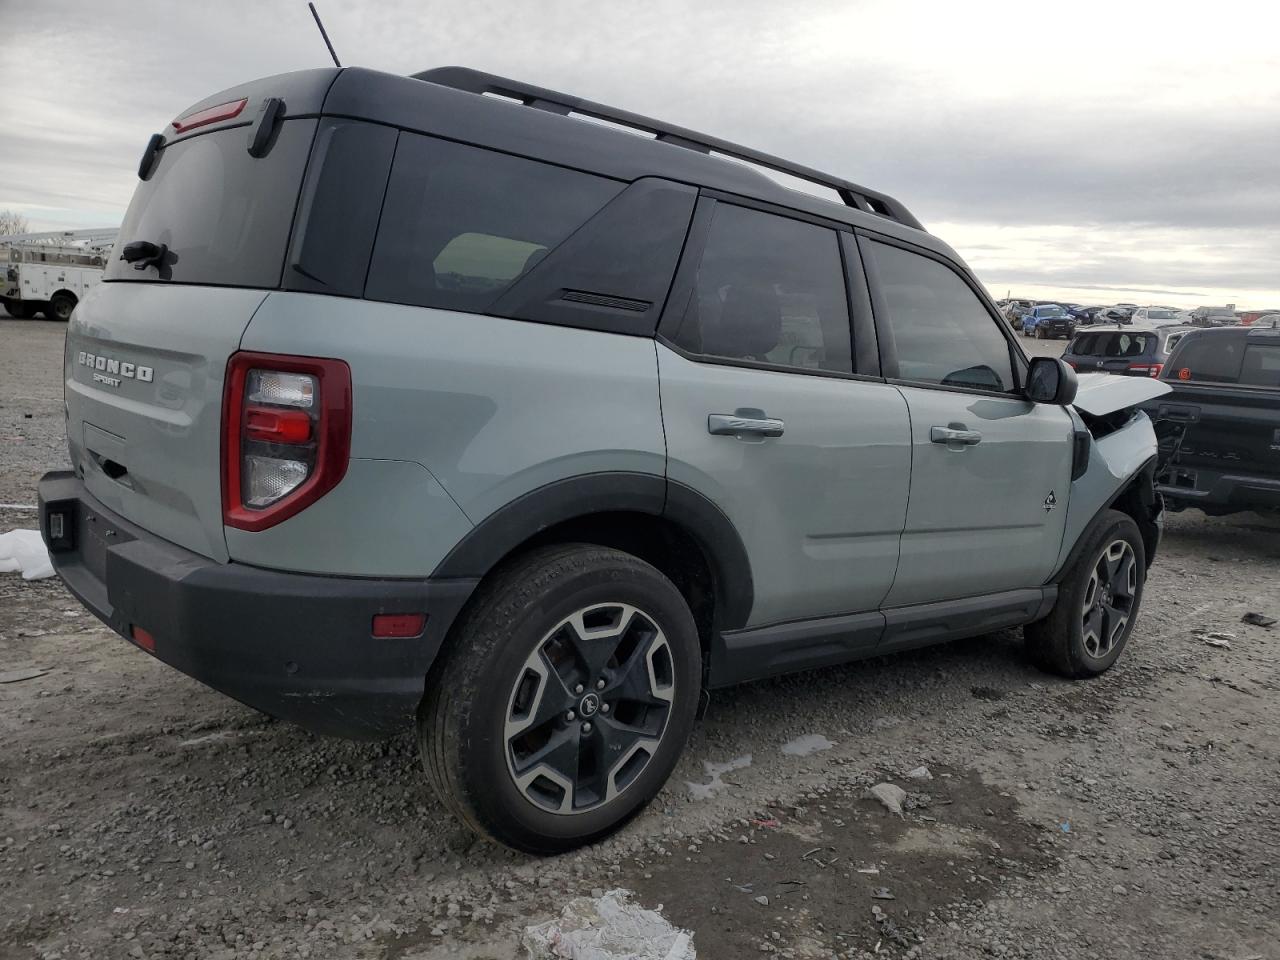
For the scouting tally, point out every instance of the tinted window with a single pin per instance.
(1210, 357)
(769, 289)
(941, 331)
(224, 215)
(459, 224)
(1112, 344)
(1261, 366)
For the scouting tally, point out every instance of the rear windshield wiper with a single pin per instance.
(144, 253)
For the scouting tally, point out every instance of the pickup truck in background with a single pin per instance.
(1219, 429)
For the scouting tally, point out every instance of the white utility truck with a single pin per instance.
(50, 273)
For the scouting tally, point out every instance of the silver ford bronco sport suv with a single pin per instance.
(452, 402)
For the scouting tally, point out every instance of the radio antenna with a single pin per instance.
(323, 34)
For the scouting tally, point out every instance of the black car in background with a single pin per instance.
(1123, 350)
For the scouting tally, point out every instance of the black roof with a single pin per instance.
(526, 120)
(540, 98)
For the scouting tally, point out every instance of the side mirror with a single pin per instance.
(1050, 380)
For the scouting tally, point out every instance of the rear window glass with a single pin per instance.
(460, 224)
(224, 215)
(1112, 344)
(1216, 359)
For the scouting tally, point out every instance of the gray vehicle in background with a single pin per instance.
(419, 402)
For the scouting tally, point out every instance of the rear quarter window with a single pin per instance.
(224, 215)
(460, 224)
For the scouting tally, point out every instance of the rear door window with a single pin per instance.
(461, 224)
(224, 215)
(769, 289)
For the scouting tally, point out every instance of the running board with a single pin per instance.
(738, 656)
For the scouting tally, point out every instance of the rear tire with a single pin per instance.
(1098, 603)
(60, 307)
(596, 628)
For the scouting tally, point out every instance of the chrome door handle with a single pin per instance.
(954, 435)
(730, 425)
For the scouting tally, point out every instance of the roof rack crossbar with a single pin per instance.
(476, 81)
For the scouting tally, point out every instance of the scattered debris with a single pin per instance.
(1258, 620)
(762, 900)
(770, 823)
(1065, 826)
(716, 771)
(882, 893)
(22, 551)
(920, 773)
(26, 673)
(608, 927)
(809, 743)
(891, 795)
(873, 870)
(1215, 640)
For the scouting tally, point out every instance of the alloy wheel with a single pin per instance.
(589, 708)
(1109, 598)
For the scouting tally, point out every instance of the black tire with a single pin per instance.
(1039, 333)
(473, 695)
(1059, 643)
(60, 307)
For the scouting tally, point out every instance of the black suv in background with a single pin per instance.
(1123, 350)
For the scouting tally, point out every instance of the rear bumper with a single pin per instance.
(1218, 491)
(296, 646)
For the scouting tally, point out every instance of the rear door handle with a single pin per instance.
(954, 435)
(732, 425)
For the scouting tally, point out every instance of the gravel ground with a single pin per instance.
(143, 815)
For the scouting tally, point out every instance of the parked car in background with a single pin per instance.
(1247, 317)
(1214, 316)
(1014, 311)
(1047, 321)
(1122, 350)
(1116, 314)
(1154, 316)
(1220, 427)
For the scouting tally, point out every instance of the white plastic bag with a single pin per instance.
(607, 928)
(22, 551)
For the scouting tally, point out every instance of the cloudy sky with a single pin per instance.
(1095, 151)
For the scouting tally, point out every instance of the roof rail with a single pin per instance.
(476, 81)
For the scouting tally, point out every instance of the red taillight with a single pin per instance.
(1071, 364)
(223, 111)
(1150, 369)
(143, 638)
(393, 626)
(286, 435)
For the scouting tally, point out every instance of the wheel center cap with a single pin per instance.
(589, 705)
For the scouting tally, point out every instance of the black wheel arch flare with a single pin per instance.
(520, 522)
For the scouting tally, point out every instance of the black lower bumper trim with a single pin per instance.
(296, 646)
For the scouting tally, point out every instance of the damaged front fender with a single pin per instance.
(1120, 464)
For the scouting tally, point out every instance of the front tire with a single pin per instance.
(1098, 602)
(565, 699)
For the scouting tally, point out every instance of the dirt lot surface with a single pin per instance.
(1137, 815)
